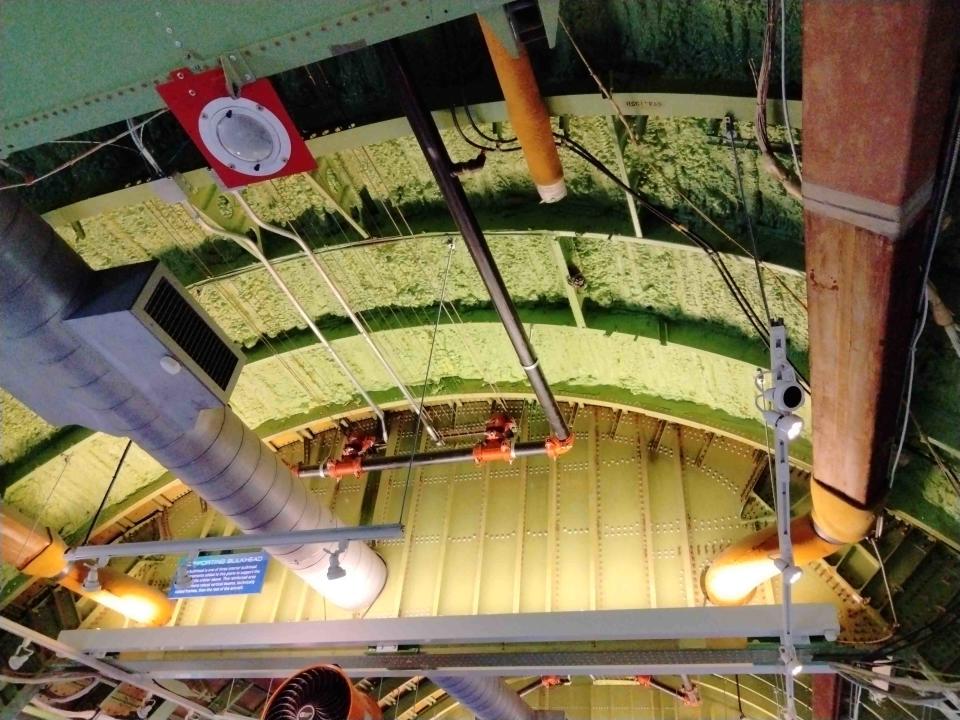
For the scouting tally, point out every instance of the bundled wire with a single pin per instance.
(716, 259)
(131, 129)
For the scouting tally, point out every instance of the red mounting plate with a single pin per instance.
(187, 95)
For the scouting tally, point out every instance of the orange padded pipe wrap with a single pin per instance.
(528, 116)
(735, 573)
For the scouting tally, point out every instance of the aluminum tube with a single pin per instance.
(252, 248)
(415, 405)
(488, 698)
(442, 457)
(53, 372)
(235, 542)
(425, 130)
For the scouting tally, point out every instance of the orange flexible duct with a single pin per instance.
(40, 552)
(735, 574)
(528, 116)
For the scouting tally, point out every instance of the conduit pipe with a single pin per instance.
(425, 130)
(39, 552)
(254, 249)
(415, 405)
(528, 115)
(488, 698)
(66, 381)
(477, 454)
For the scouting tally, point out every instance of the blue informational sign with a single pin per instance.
(209, 576)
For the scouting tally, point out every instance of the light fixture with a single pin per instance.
(91, 581)
(787, 424)
(20, 657)
(146, 707)
(788, 655)
(335, 571)
(245, 136)
(791, 573)
(182, 579)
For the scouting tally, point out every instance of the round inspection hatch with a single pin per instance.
(245, 136)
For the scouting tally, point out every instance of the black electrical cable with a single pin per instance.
(495, 140)
(103, 501)
(746, 214)
(739, 700)
(731, 283)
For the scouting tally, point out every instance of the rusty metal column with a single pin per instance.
(877, 81)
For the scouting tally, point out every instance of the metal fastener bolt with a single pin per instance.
(192, 93)
(169, 30)
(259, 107)
(179, 76)
(204, 116)
(232, 166)
(233, 57)
(177, 43)
(158, 13)
(248, 76)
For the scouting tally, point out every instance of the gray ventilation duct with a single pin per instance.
(85, 347)
(488, 698)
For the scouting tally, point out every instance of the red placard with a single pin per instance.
(188, 94)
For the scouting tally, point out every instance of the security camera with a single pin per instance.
(785, 395)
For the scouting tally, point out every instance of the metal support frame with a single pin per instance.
(489, 663)
(235, 542)
(428, 136)
(781, 371)
(619, 141)
(415, 405)
(110, 670)
(814, 619)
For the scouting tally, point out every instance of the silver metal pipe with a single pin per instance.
(235, 542)
(415, 405)
(110, 670)
(252, 248)
(65, 380)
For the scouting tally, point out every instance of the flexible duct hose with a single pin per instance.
(52, 371)
(488, 698)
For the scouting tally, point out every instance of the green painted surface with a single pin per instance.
(631, 287)
(71, 66)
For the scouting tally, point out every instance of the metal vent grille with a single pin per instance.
(177, 318)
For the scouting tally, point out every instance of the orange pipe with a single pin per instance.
(40, 552)
(735, 574)
(528, 116)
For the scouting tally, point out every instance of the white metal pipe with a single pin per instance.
(110, 670)
(415, 405)
(252, 248)
(235, 542)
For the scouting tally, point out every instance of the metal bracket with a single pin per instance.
(236, 72)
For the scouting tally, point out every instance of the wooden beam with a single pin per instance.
(877, 80)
